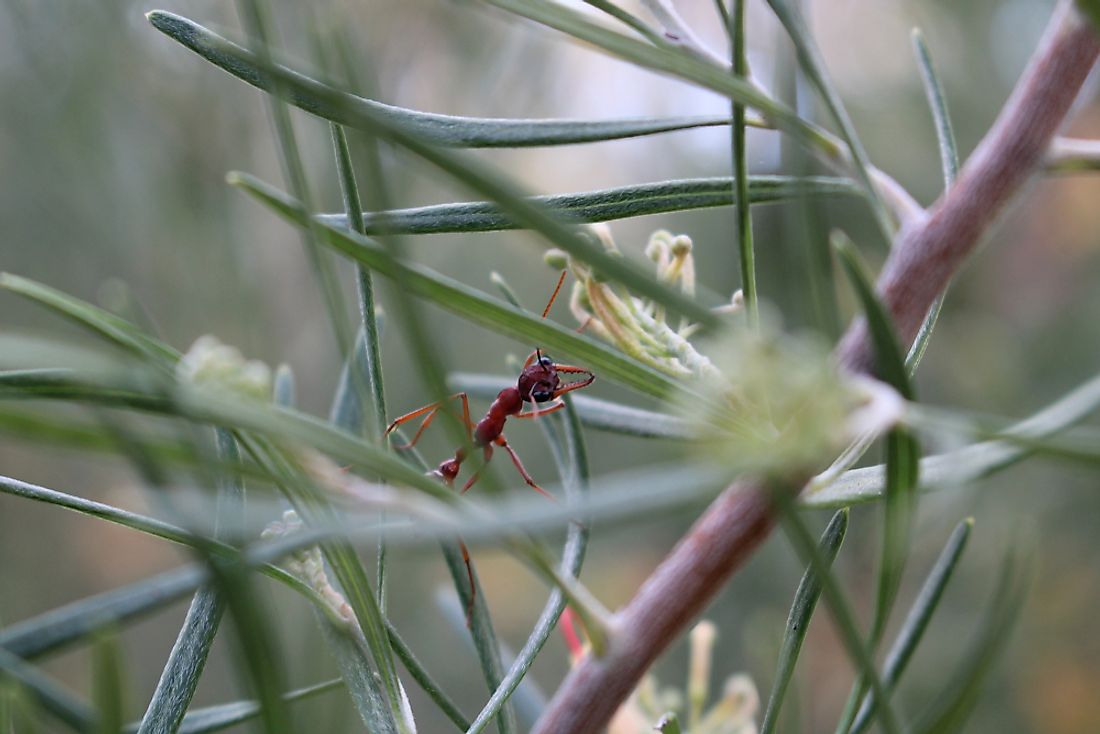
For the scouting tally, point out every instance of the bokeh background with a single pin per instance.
(114, 145)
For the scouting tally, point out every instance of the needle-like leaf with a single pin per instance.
(599, 206)
(798, 620)
(353, 111)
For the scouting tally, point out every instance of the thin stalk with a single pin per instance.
(949, 160)
(810, 58)
(353, 210)
(627, 19)
(842, 612)
(798, 620)
(740, 67)
(917, 620)
(257, 24)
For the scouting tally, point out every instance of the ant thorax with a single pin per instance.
(539, 381)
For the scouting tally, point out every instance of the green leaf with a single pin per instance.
(368, 339)
(664, 59)
(859, 653)
(967, 465)
(735, 28)
(812, 62)
(486, 182)
(284, 389)
(111, 327)
(916, 622)
(948, 712)
(56, 629)
(798, 620)
(369, 635)
(572, 460)
(902, 463)
(473, 305)
(365, 687)
(597, 206)
(447, 130)
(479, 624)
(425, 681)
(1091, 10)
(889, 364)
(62, 705)
(949, 160)
(185, 664)
(226, 715)
(107, 685)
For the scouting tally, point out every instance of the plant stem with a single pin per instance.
(926, 255)
(740, 166)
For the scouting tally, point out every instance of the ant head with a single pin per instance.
(539, 380)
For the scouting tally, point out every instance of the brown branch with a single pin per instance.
(926, 255)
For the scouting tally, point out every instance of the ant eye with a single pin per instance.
(546, 362)
(541, 396)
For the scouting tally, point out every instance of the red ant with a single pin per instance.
(538, 384)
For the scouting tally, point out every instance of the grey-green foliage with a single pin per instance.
(137, 374)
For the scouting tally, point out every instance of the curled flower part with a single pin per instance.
(209, 362)
(308, 565)
(649, 704)
(702, 639)
(638, 326)
(735, 712)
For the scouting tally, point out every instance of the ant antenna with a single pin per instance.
(554, 295)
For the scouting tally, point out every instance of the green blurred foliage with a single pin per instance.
(114, 144)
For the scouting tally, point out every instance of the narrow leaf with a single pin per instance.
(62, 705)
(356, 112)
(949, 711)
(949, 160)
(487, 182)
(185, 664)
(813, 63)
(916, 622)
(573, 463)
(902, 464)
(598, 206)
(471, 304)
(226, 715)
(107, 685)
(114, 329)
(424, 680)
(889, 364)
(839, 606)
(663, 59)
(966, 465)
(798, 620)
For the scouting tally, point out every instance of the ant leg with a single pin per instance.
(522, 471)
(488, 454)
(473, 586)
(553, 407)
(431, 411)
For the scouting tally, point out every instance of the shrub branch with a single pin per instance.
(928, 252)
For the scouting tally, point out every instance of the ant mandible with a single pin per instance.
(538, 384)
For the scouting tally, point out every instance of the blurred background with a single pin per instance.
(114, 145)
